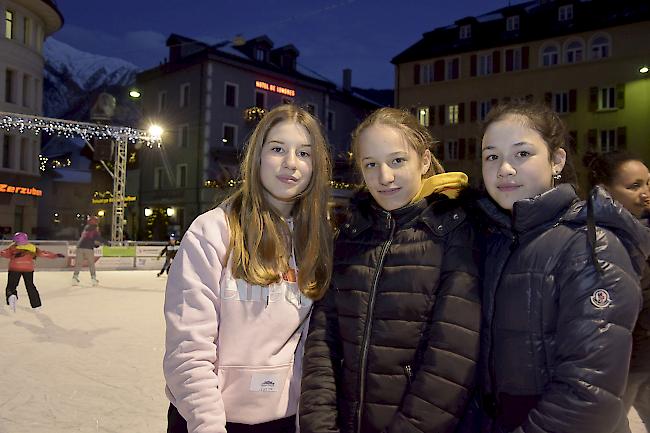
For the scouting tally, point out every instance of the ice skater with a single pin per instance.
(90, 239)
(169, 252)
(21, 255)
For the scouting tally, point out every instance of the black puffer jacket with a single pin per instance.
(556, 337)
(641, 336)
(393, 345)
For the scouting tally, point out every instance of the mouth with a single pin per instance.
(389, 191)
(508, 188)
(287, 179)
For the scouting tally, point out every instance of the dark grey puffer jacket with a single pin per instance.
(556, 333)
(393, 345)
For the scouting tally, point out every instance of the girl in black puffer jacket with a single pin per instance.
(560, 285)
(393, 345)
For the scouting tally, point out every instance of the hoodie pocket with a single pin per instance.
(254, 395)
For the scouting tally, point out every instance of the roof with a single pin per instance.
(538, 21)
(52, 17)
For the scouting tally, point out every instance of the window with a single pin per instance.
(311, 109)
(550, 55)
(423, 116)
(231, 95)
(512, 23)
(6, 151)
(565, 13)
(452, 114)
(260, 54)
(181, 176)
(9, 86)
(426, 73)
(573, 52)
(162, 101)
(26, 90)
(25, 154)
(607, 98)
(466, 31)
(561, 102)
(600, 48)
(513, 59)
(183, 135)
(260, 99)
(484, 109)
(485, 64)
(185, 95)
(451, 150)
(607, 140)
(330, 120)
(39, 38)
(453, 68)
(27, 31)
(157, 177)
(229, 137)
(9, 24)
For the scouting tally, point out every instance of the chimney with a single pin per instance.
(347, 80)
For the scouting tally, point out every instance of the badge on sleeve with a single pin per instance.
(601, 298)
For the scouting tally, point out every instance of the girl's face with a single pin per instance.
(516, 161)
(630, 187)
(285, 164)
(391, 167)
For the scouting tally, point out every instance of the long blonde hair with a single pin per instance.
(260, 240)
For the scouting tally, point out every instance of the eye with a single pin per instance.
(370, 165)
(304, 154)
(491, 157)
(523, 154)
(277, 149)
(634, 186)
(398, 161)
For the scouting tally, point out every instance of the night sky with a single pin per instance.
(330, 34)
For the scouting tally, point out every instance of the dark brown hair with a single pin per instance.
(603, 167)
(548, 125)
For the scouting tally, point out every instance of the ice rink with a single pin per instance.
(90, 359)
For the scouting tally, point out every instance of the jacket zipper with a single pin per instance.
(371, 307)
(409, 373)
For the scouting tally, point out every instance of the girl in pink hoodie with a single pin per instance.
(240, 290)
(21, 255)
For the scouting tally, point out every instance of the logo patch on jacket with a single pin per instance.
(261, 382)
(601, 298)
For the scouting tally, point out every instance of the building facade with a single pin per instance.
(585, 59)
(208, 100)
(24, 25)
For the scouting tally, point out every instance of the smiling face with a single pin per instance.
(516, 161)
(630, 187)
(392, 170)
(285, 165)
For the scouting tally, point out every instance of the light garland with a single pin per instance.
(253, 114)
(216, 184)
(21, 123)
(45, 163)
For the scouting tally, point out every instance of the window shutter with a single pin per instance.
(593, 98)
(472, 111)
(471, 150)
(472, 65)
(461, 112)
(432, 115)
(548, 99)
(416, 73)
(621, 138)
(525, 54)
(620, 96)
(439, 70)
(573, 97)
(509, 55)
(592, 139)
(496, 61)
(441, 114)
(461, 148)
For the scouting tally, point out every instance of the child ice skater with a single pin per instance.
(169, 252)
(21, 255)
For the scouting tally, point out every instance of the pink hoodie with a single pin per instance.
(233, 350)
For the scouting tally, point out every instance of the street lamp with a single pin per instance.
(148, 211)
(156, 131)
(170, 211)
(134, 93)
(644, 70)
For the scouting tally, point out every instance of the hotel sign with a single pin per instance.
(275, 88)
(22, 190)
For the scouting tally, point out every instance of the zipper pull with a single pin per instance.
(409, 373)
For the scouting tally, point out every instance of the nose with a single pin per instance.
(290, 160)
(505, 169)
(386, 175)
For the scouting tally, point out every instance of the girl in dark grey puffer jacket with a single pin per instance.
(560, 286)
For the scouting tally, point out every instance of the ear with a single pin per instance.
(426, 162)
(558, 160)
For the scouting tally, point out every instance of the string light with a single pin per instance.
(253, 114)
(12, 122)
(45, 163)
(231, 183)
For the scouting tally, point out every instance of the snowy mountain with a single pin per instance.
(74, 78)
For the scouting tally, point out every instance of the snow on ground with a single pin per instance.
(90, 359)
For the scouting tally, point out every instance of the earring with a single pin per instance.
(557, 176)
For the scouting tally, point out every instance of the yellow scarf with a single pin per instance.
(27, 247)
(448, 184)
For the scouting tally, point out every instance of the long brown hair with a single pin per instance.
(260, 244)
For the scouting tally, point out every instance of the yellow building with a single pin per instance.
(584, 58)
